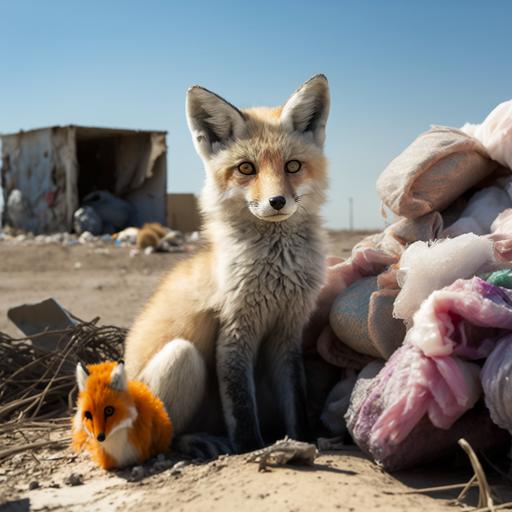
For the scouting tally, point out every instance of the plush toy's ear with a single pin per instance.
(213, 121)
(118, 380)
(81, 376)
(307, 109)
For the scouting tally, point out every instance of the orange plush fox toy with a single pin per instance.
(118, 422)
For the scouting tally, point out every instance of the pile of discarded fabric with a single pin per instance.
(420, 316)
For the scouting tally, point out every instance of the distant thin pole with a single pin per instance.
(351, 213)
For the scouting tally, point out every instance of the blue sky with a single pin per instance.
(394, 68)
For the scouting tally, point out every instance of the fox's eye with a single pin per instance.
(88, 415)
(109, 410)
(247, 168)
(293, 166)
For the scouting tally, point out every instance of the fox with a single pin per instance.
(120, 423)
(220, 341)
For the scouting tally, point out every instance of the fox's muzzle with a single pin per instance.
(277, 202)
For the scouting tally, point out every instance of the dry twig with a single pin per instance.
(37, 384)
(485, 500)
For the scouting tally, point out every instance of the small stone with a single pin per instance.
(162, 465)
(180, 465)
(137, 473)
(86, 238)
(74, 479)
(33, 485)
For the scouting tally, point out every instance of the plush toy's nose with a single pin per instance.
(277, 202)
(101, 437)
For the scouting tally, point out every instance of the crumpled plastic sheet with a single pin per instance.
(432, 374)
(496, 382)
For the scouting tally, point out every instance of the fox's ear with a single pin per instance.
(118, 380)
(81, 376)
(213, 121)
(307, 109)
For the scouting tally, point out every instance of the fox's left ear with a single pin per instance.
(213, 121)
(306, 111)
(118, 380)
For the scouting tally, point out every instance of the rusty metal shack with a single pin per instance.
(47, 172)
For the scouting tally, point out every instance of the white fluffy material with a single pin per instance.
(425, 267)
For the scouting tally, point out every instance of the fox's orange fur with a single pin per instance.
(147, 428)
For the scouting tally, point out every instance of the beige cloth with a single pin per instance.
(362, 318)
(439, 166)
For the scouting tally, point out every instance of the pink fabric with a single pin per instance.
(442, 388)
(431, 375)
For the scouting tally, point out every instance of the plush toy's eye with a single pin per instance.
(247, 168)
(293, 166)
(88, 415)
(109, 410)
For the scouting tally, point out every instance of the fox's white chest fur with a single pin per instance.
(119, 447)
(267, 270)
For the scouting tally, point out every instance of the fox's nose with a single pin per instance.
(101, 437)
(277, 202)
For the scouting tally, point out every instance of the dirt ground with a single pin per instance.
(108, 282)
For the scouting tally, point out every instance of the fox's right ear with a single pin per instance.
(81, 376)
(306, 111)
(213, 121)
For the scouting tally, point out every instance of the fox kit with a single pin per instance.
(223, 332)
(117, 421)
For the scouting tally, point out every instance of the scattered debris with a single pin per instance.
(74, 479)
(139, 239)
(283, 452)
(137, 473)
(86, 220)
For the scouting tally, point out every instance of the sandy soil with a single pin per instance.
(108, 282)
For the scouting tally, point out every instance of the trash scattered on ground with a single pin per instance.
(161, 239)
(74, 479)
(284, 451)
(414, 297)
